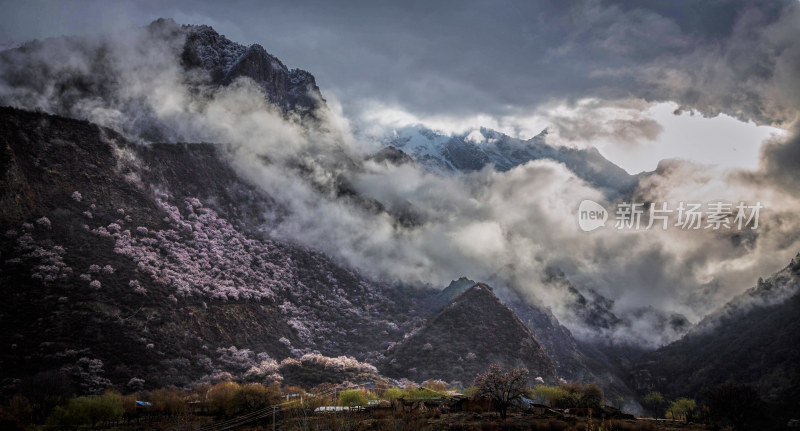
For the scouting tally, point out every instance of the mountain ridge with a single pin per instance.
(446, 154)
(752, 340)
(474, 330)
(149, 259)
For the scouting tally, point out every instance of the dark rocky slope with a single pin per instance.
(574, 360)
(154, 268)
(753, 340)
(470, 333)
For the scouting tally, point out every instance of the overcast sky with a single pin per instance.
(517, 66)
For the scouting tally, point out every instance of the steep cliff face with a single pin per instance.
(291, 89)
(470, 333)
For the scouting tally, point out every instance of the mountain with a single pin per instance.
(754, 340)
(574, 360)
(145, 262)
(472, 332)
(446, 154)
(291, 89)
(121, 261)
(577, 360)
(591, 315)
(449, 293)
(125, 261)
(116, 80)
(131, 258)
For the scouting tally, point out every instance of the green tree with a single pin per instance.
(681, 409)
(592, 397)
(553, 395)
(87, 411)
(222, 398)
(393, 394)
(655, 402)
(353, 398)
(169, 401)
(470, 391)
(255, 396)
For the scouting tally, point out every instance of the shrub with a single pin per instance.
(222, 398)
(681, 409)
(129, 403)
(554, 396)
(255, 396)
(655, 402)
(169, 401)
(87, 411)
(435, 385)
(353, 398)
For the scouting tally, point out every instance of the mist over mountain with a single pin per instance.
(472, 151)
(407, 222)
(751, 340)
(180, 208)
(143, 257)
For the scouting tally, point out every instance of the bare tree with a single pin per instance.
(502, 387)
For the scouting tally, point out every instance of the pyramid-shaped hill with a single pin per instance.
(472, 332)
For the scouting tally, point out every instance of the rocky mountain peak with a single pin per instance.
(473, 331)
(225, 61)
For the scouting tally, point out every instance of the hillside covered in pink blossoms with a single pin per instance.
(130, 279)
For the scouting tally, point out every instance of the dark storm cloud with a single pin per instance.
(467, 57)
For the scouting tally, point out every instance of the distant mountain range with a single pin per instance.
(447, 154)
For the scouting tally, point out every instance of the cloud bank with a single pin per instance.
(506, 228)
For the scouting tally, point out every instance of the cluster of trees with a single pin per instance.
(179, 257)
(354, 397)
(223, 399)
(570, 395)
(331, 309)
(728, 405)
(431, 388)
(46, 258)
(93, 411)
(682, 409)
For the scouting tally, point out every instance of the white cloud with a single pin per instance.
(475, 137)
(506, 227)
